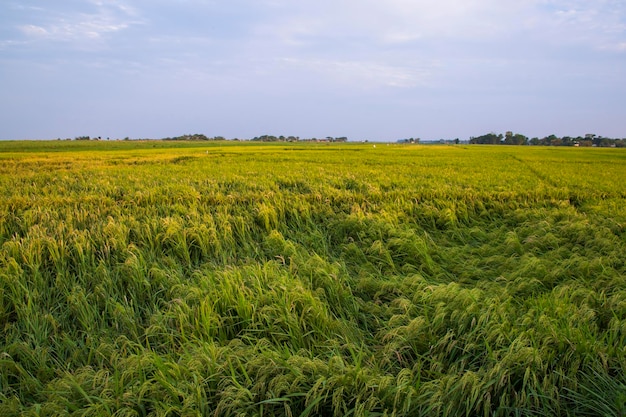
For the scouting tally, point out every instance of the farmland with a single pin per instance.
(238, 279)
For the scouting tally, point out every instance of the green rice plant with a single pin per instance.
(597, 393)
(156, 278)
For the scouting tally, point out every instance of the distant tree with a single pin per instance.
(488, 139)
(548, 140)
(194, 137)
(509, 138)
(519, 139)
(265, 138)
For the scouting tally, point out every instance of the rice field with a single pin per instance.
(241, 279)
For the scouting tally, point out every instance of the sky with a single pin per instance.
(365, 69)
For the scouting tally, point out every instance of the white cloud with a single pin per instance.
(74, 26)
(33, 30)
(463, 55)
(614, 47)
(395, 21)
(588, 24)
(362, 74)
(407, 21)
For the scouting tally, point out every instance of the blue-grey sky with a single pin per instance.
(366, 69)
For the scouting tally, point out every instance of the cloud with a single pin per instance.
(399, 22)
(393, 21)
(89, 27)
(621, 47)
(33, 30)
(582, 23)
(99, 20)
(396, 56)
(365, 75)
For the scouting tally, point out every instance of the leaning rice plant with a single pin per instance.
(159, 279)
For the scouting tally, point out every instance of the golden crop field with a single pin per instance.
(239, 279)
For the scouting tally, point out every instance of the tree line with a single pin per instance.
(262, 138)
(271, 138)
(518, 139)
(195, 136)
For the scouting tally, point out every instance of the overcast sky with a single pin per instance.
(366, 69)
